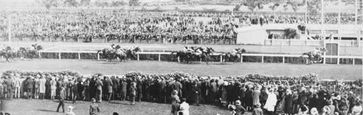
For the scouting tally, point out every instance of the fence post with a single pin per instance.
(283, 59)
(324, 60)
(262, 59)
(221, 58)
(353, 61)
(59, 55)
(39, 54)
(338, 60)
(159, 57)
(241, 58)
(79, 55)
(138, 57)
(98, 56)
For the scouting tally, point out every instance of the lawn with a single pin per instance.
(48, 107)
(328, 71)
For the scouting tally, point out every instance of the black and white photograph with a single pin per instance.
(181, 57)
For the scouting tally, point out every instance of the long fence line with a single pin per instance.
(159, 54)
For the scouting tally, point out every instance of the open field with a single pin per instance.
(48, 107)
(328, 71)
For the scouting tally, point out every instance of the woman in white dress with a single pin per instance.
(271, 101)
(184, 107)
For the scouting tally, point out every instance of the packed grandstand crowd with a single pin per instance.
(142, 25)
(289, 95)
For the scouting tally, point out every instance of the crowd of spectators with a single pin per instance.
(165, 27)
(289, 95)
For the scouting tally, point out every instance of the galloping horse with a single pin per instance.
(314, 56)
(7, 53)
(234, 55)
(29, 52)
(193, 53)
(118, 53)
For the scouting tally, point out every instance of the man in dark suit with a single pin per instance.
(29, 87)
(99, 85)
(123, 89)
(115, 87)
(61, 99)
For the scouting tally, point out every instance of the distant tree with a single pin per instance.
(85, 2)
(237, 7)
(290, 33)
(295, 4)
(314, 7)
(253, 4)
(48, 3)
(71, 3)
(134, 2)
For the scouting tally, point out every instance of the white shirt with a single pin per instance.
(184, 108)
(356, 110)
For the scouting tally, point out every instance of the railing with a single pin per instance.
(221, 58)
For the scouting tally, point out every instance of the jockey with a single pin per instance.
(316, 51)
(186, 49)
(234, 51)
(198, 52)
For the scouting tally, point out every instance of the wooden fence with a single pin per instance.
(159, 56)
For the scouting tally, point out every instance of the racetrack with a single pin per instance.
(328, 71)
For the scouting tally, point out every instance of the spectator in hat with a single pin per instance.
(357, 108)
(70, 111)
(94, 108)
(42, 82)
(184, 107)
(257, 110)
(61, 99)
(175, 102)
(240, 110)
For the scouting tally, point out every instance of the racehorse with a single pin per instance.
(234, 55)
(118, 53)
(29, 52)
(182, 56)
(194, 53)
(7, 53)
(313, 56)
(207, 54)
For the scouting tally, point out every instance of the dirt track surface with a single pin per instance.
(276, 49)
(328, 71)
